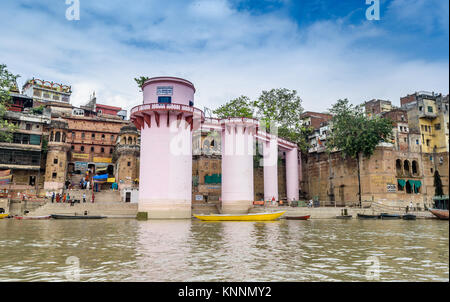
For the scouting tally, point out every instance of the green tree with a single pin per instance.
(282, 108)
(7, 82)
(238, 107)
(141, 80)
(355, 134)
(438, 191)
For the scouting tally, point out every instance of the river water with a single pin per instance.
(192, 250)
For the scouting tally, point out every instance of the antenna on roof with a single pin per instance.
(208, 112)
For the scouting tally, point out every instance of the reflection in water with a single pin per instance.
(192, 250)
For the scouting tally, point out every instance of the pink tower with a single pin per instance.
(237, 164)
(166, 120)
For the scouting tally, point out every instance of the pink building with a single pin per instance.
(166, 119)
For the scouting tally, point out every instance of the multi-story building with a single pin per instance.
(25, 154)
(314, 119)
(376, 107)
(44, 92)
(427, 114)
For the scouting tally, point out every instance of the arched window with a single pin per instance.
(64, 137)
(406, 167)
(415, 168)
(58, 137)
(398, 166)
(82, 148)
(103, 136)
(103, 150)
(130, 141)
(51, 136)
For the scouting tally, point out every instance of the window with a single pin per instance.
(54, 175)
(82, 135)
(164, 99)
(103, 150)
(58, 137)
(110, 150)
(420, 108)
(164, 90)
(73, 135)
(82, 148)
(28, 127)
(417, 141)
(92, 149)
(103, 136)
(72, 147)
(32, 181)
(191, 103)
(129, 163)
(112, 137)
(430, 109)
(55, 161)
(437, 127)
(93, 135)
(428, 142)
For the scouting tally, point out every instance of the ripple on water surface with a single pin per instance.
(192, 250)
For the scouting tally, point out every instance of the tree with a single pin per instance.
(7, 82)
(353, 133)
(438, 191)
(141, 80)
(238, 107)
(282, 108)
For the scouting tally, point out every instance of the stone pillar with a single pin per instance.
(292, 172)
(270, 162)
(237, 164)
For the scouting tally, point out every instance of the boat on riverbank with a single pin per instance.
(365, 216)
(390, 216)
(298, 217)
(53, 216)
(409, 217)
(4, 216)
(32, 217)
(440, 209)
(344, 217)
(241, 217)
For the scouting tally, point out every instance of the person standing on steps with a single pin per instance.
(53, 197)
(84, 197)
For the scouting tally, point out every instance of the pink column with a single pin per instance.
(292, 174)
(237, 164)
(270, 161)
(165, 186)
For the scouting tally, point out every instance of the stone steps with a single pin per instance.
(112, 209)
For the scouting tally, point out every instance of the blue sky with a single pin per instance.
(325, 50)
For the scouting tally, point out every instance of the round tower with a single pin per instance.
(237, 164)
(166, 120)
(57, 149)
(126, 156)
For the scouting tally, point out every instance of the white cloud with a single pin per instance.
(224, 52)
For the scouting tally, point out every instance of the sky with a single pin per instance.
(325, 50)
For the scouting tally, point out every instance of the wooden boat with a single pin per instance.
(75, 217)
(409, 217)
(241, 217)
(440, 209)
(32, 217)
(4, 216)
(364, 216)
(298, 217)
(344, 216)
(390, 216)
(441, 214)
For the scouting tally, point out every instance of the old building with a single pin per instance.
(24, 155)
(376, 107)
(428, 115)
(126, 157)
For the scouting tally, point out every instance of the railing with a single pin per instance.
(173, 106)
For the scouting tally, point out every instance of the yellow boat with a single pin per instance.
(241, 217)
(3, 216)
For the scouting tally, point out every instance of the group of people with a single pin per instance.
(85, 184)
(63, 198)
